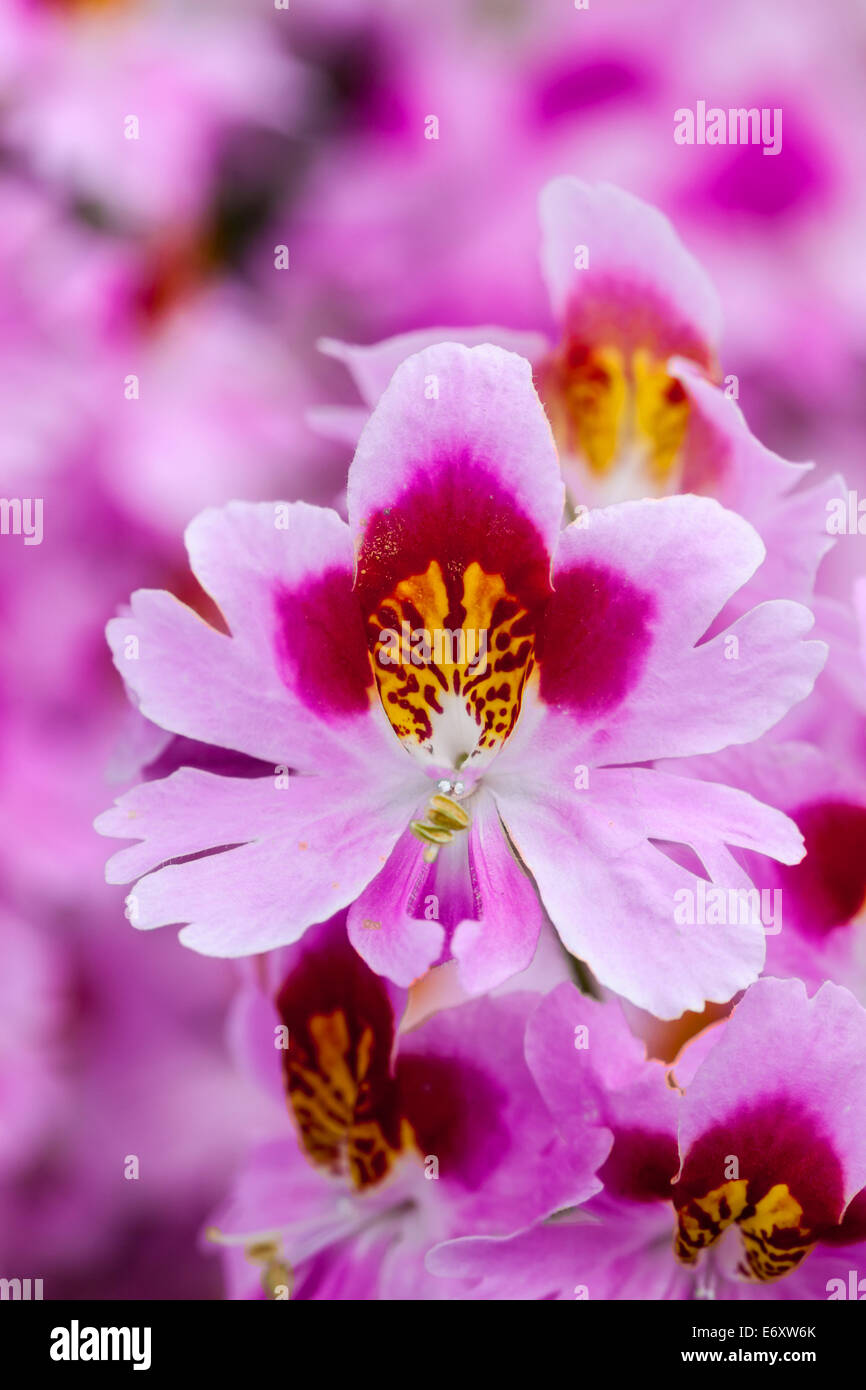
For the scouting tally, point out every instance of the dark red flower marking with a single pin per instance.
(768, 1168)
(641, 1165)
(337, 1067)
(827, 888)
(455, 515)
(455, 1113)
(320, 645)
(594, 641)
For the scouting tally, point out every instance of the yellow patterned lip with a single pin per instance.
(451, 674)
(347, 1119)
(774, 1239)
(619, 411)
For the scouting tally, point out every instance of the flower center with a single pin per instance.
(346, 1109)
(451, 658)
(445, 817)
(619, 411)
(774, 1238)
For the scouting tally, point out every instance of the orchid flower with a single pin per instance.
(456, 700)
